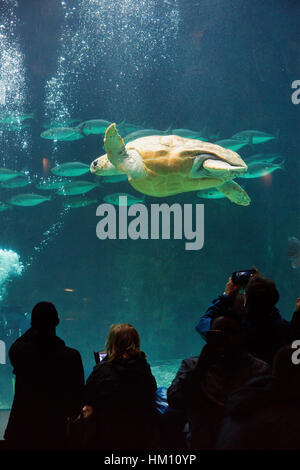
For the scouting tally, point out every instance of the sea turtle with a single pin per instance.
(166, 165)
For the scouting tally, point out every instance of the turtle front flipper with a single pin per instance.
(129, 162)
(235, 193)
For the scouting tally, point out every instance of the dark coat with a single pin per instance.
(122, 392)
(263, 334)
(48, 389)
(203, 395)
(265, 414)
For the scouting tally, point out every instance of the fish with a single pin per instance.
(264, 157)
(18, 182)
(114, 199)
(79, 202)
(294, 252)
(48, 184)
(253, 137)
(114, 178)
(15, 118)
(70, 169)
(66, 134)
(94, 126)
(4, 207)
(60, 123)
(76, 187)
(210, 194)
(7, 174)
(188, 134)
(231, 144)
(143, 133)
(15, 127)
(127, 128)
(258, 169)
(26, 200)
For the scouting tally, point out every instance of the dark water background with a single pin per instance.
(224, 64)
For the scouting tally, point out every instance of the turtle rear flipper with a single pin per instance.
(220, 168)
(235, 193)
(129, 162)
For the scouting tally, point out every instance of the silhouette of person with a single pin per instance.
(49, 384)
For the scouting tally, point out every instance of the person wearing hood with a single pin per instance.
(264, 330)
(119, 395)
(49, 384)
(203, 383)
(265, 414)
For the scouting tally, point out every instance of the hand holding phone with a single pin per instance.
(231, 289)
(241, 278)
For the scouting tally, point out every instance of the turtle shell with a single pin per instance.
(171, 154)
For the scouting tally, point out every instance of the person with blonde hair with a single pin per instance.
(120, 395)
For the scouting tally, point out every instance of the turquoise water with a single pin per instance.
(201, 69)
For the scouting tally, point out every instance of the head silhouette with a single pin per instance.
(123, 342)
(44, 317)
(229, 334)
(261, 295)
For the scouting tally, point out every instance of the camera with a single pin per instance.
(241, 278)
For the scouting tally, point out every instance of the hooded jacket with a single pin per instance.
(48, 389)
(263, 334)
(122, 393)
(265, 414)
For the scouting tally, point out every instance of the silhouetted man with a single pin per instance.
(49, 383)
(265, 413)
(264, 330)
(203, 383)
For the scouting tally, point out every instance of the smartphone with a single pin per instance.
(241, 278)
(99, 356)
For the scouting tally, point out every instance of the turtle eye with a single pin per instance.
(94, 164)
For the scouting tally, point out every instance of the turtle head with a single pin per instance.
(103, 167)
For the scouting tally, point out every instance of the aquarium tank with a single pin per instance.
(205, 95)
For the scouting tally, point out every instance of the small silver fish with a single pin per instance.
(127, 128)
(18, 182)
(15, 118)
(189, 134)
(143, 133)
(231, 144)
(264, 157)
(253, 136)
(67, 134)
(70, 169)
(76, 187)
(15, 127)
(94, 126)
(79, 202)
(7, 174)
(258, 169)
(115, 199)
(26, 200)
